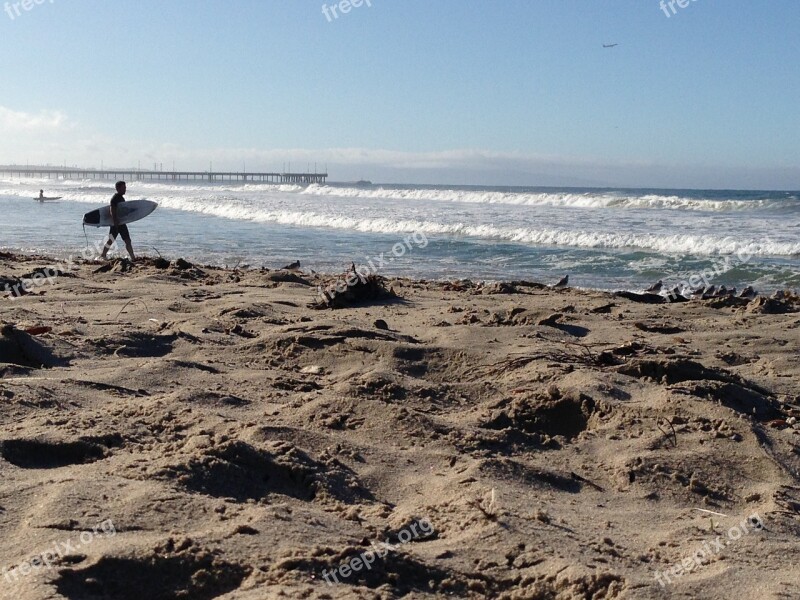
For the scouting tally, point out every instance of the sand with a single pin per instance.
(173, 431)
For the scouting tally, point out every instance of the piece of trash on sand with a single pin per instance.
(37, 330)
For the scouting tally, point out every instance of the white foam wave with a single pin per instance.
(289, 208)
(670, 244)
(563, 199)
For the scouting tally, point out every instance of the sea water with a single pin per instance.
(602, 238)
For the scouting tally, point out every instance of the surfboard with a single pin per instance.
(128, 212)
(48, 199)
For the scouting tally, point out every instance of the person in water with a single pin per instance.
(41, 194)
(116, 228)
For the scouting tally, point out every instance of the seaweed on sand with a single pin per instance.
(352, 288)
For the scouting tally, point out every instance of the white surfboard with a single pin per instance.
(127, 212)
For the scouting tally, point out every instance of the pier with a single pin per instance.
(144, 175)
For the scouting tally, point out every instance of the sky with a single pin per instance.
(509, 92)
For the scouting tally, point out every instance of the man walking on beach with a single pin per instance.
(118, 229)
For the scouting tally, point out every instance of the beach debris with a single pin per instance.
(511, 317)
(674, 437)
(508, 287)
(381, 324)
(49, 273)
(181, 264)
(787, 497)
(522, 283)
(591, 484)
(6, 282)
(352, 288)
(292, 266)
(287, 277)
(461, 285)
(312, 370)
(710, 512)
(615, 356)
(562, 283)
(37, 330)
(122, 265)
(160, 262)
(486, 505)
(646, 298)
(732, 359)
(662, 328)
(118, 265)
(186, 270)
(602, 310)
(121, 310)
(241, 332)
(553, 321)
(502, 287)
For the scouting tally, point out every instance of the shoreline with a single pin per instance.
(558, 443)
(699, 285)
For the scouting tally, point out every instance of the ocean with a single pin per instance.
(603, 238)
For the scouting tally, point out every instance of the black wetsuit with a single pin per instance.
(122, 229)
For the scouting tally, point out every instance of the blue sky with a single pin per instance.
(517, 92)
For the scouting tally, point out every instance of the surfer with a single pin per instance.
(116, 228)
(41, 195)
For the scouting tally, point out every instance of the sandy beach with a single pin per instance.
(180, 431)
